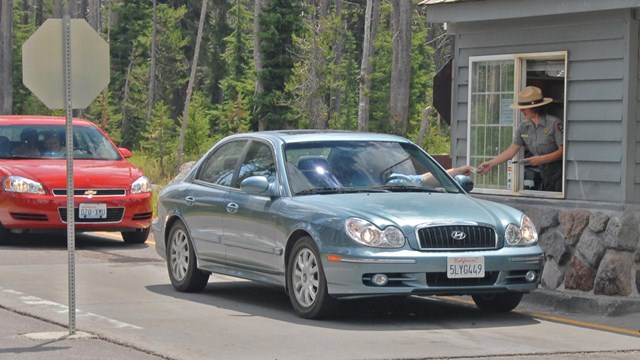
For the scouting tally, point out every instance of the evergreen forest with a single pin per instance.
(184, 74)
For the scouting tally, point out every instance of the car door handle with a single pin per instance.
(190, 200)
(232, 208)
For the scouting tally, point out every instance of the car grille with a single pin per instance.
(91, 192)
(442, 237)
(440, 279)
(114, 215)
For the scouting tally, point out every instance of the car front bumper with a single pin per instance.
(42, 212)
(411, 272)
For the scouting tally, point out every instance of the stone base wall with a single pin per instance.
(589, 251)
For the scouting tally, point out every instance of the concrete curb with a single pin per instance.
(580, 303)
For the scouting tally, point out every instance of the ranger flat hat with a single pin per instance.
(530, 97)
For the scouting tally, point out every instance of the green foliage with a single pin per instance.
(24, 102)
(197, 139)
(161, 138)
(294, 40)
(278, 23)
(233, 115)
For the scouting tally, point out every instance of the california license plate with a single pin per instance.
(92, 211)
(465, 267)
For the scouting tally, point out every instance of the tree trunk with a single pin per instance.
(372, 15)
(335, 97)
(192, 78)
(58, 9)
(257, 55)
(75, 10)
(25, 12)
(152, 80)
(316, 103)
(6, 63)
(93, 14)
(401, 66)
(39, 13)
(125, 96)
(424, 125)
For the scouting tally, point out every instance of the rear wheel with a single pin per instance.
(307, 283)
(502, 302)
(135, 237)
(181, 261)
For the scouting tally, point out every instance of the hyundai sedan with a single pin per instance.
(331, 215)
(110, 194)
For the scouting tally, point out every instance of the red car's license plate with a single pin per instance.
(92, 211)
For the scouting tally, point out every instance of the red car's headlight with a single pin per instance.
(22, 185)
(142, 185)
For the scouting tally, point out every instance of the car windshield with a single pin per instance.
(357, 166)
(48, 141)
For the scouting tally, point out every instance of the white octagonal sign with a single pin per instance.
(43, 64)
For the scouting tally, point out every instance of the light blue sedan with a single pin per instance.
(333, 215)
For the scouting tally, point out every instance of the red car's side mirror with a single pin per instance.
(126, 153)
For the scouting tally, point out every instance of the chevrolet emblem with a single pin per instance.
(90, 192)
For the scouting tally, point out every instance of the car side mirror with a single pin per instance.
(257, 185)
(126, 153)
(465, 182)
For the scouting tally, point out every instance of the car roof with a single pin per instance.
(294, 136)
(40, 120)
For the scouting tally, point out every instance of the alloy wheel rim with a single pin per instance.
(305, 277)
(179, 255)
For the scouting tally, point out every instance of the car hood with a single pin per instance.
(411, 209)
(86, 174)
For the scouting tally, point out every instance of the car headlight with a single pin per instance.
(142, 185)
(368, 234)
(524, 235)
(22, 185)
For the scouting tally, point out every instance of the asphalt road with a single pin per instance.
(124, 298)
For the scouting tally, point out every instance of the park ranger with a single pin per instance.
(542, 136)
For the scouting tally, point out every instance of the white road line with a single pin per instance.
(63, 309)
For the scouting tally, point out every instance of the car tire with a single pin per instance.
(181, 261)
(502, 302)
(306, 282)
(5, 235)
(135, 237)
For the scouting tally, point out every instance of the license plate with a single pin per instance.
(465, 267)
(93, 211)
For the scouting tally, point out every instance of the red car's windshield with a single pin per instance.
(49, 141)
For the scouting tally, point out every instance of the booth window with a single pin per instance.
(494, 82)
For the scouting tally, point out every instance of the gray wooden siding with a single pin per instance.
(597, 113)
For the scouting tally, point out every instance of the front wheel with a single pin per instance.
(181, 261)
(306, 282)
(139, 236)
(502, 302)
(5, 235)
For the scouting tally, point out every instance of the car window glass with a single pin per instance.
(49, 141)
(258, 162)
(219, 166)
(361, 165)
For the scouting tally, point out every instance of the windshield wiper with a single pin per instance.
(405, 188)
(322, 190)
(345, 190)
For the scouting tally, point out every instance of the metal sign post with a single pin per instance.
(65, 63)
(71, 231)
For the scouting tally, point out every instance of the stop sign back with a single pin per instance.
(43, 64)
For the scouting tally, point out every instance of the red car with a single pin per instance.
(110, 193)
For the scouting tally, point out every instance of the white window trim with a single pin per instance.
(518, 78)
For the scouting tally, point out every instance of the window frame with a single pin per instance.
(516, 173)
